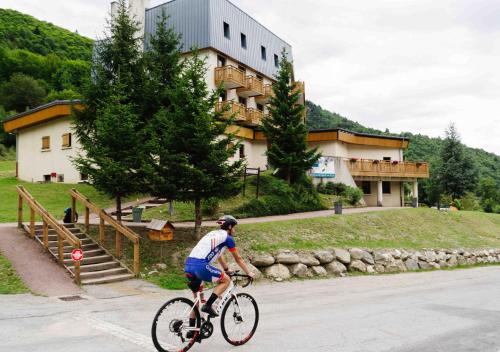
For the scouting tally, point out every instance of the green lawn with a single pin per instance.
(7, 168)
(53, 196)
(9, 281)
(405, 228)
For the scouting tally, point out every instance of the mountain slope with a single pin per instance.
(20, 31)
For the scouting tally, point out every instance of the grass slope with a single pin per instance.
(404, 228)
(10, 282)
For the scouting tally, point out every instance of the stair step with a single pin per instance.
(53, 243)
(107, 279)
(53, 237)
(103, 273)
(86, 254)
(97, 267)
(91, 260)
(68, 249)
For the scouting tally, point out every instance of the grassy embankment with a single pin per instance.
(404, 228)
(10, 283)
(53, 196)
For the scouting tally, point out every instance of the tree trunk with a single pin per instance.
(119, 208)
(198, 218)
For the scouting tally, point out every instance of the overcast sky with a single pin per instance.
(406, 65)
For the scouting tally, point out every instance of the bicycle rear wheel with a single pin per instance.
(239, 319)
(171, 331)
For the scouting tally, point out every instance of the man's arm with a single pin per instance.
(223, 263)
(239, 260)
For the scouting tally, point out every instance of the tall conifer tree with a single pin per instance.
(285, 128)
(109, 129)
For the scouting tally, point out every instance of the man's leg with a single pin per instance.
(222, 285)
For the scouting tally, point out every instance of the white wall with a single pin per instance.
(389, 200)
(372, 152)
(35, 163)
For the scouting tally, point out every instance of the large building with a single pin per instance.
(243, 56)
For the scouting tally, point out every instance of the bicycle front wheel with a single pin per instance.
(239, 319)
(171, 330)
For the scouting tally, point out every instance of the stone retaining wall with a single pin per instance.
(338, 262)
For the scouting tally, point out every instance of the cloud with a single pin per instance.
(412, 65)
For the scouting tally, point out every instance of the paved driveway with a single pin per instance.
(435, 311)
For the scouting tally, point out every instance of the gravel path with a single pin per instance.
(34, 265)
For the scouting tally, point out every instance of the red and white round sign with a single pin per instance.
(77, 255)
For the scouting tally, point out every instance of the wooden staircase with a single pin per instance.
(97, 266)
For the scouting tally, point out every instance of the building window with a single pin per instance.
(242, 101)
(221, 61)
(263, 53)
(387, 158)
(276, 60)
(66, 140)
(222, 96)
(60, 178)
(366, 186)
(84, 177)
(46, 143)
(47, 178)
(386, 187)
(227, 32)
(260, 107)
(243, 41)
(242, 151)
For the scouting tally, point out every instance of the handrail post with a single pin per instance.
(45, 234)
(20, 212)
(87, 219)
(60, 249)
(137, 263)
(32, 222)
(118, 244)
(101, 231)
(73, 209)
(77, 272)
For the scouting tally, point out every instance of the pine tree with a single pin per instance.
(285, 129)
(196, 150)
(457, 172)
(110, 128)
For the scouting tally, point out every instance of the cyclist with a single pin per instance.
(209, 249)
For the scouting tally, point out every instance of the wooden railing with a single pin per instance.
(368, 167)
(253, 84)
(63, 234)
(229, 75)
(235, 109)
(254, 116)
(120, 230)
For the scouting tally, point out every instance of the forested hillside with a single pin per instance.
(39, 62)
(422, 148)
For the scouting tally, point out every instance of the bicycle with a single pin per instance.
(171, 330)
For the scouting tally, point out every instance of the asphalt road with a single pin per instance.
(435, 311)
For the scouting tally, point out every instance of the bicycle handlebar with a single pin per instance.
(235, 274)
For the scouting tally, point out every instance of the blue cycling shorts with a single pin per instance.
(203, 271)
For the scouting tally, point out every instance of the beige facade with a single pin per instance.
(52, 164)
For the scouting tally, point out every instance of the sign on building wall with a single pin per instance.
(324, 168)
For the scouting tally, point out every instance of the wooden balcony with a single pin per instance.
(236, 109)
(253, 87)
(230, 77)
(379, 168)
(254, 117)
(268, 94)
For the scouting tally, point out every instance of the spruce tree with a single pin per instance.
(195, 150)
(110, 128)
(457, 173)
(285, 128)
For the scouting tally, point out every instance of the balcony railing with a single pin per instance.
(268, 94)
(236, 109)
(253, 87)
(301, 88)
(230, 77)
(254, 117)
(379, 168)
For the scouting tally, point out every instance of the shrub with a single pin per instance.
(457, 203)
(489, 205)
(496, 209)
(210, 206)
(332, 188)
(470, 202)
(352, 195)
